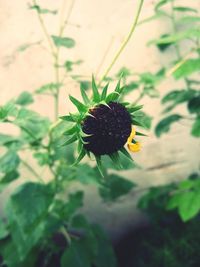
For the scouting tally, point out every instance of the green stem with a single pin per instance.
(125, 42)
(177, 49)
(32, 170)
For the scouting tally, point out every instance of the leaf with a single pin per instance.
(188, 20)
(3, 230)
(125, 153)
(105, 254)
(85, 174)
(112, 97)
(85, 85)
(26, 210)
(187, 68)
(164, 125)
(194, 105)
(173, 38)
(49, 88)
(179, 96)
(184, 9)
(144, 119)
(114, 187)
(128, 88)
(196, 128)
(25, 98)
(70, 140)
(8, 178)
(69, 64)
(7, 110)
(163, 47)
(96, 95)
(43, 10)
(9, 162)
(63, 41)
(161, 3)
(5, 140)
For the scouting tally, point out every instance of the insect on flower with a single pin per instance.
(103, 125)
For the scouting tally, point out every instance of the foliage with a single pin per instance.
(42, 224)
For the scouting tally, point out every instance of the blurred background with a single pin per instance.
(98, 28)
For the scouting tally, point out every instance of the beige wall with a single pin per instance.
(173, 156)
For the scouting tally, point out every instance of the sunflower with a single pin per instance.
(103, 125)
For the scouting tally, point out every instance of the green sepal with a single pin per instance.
(80, 156)
(71, 140)
(96, 95)
(99, 165)
(67, 118)
(119, 89)
(135, 122)
(82, 134)
(112, 97)
(104, 92)
(140, 134)
(80, 106)
(125, 153)
(134, 108)
(71, 130)
(84, 95)
(116, 160)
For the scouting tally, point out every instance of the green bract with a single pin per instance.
(101, 120)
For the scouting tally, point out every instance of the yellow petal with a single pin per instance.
(132, 135)
(134, 147)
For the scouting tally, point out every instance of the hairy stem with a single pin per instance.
(125, 42)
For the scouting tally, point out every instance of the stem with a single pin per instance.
(45, 30)
(32, 170)
(125, 42)
(57, 54)
(178, 54)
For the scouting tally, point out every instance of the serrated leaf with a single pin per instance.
(196, 128)
(164, 125)
(25, 98)
(96, 95)
(63, 41)
(80, 106)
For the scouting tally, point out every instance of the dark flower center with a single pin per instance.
(109, 128)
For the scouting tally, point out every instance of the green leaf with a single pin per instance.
(26, 210)
(99, 165)
(3, 230)
(173, 38)
(25, 98)
(80, 156)
(184, 9)
(188, 20)
(67, 118)
(48, 88)
(161, 3)
(112, 97)
(7, 110)
(96, 95)
(85, 85)
(179, 96)
(8, 178)
(43, 158)
(114, 187)
(194, 105)
(196, 128)
(125, 153)
(128, 88)
(187, 68)
(9, 162)
(144, 119)
(80, 106)
(6, 140)
(85, 174)
(63, 41)
(70, 140)
(43, 10)
(163, 47)
(164, 125)
(105, 255)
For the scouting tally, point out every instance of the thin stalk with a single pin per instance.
(125, 42)
(32, 170)
(45, 30)
(177, 49)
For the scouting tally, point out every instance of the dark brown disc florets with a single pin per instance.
(109, 128)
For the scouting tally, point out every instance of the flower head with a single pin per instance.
(103, 125)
